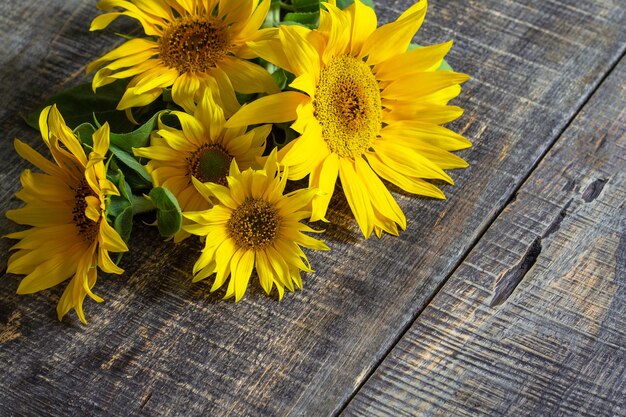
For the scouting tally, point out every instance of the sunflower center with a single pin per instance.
(87, 228)
(348, 106)
(210, 164)
(194, 44)
(254, 224)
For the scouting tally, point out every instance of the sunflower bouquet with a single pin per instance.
(232, 120)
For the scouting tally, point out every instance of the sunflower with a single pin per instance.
(368, 107)
(187, 44)
(66, 209)
(203, 149)
(254, 226)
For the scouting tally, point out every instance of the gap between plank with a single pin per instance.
(481, 233)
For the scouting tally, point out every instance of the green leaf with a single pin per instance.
(138, 138)
(300, 6)
(116, 206)
(309, 19)
(120, 208)
(169, 214)
(79, 104)
(84, 132)
(123, 223)
(344, 4)
(135, 173)
(444, 64)
(280, 78)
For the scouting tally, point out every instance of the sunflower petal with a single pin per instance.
(277, 108)
(394, 38)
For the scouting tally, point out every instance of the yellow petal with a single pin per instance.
(132, 99)
(223, 88)
(160, 79)
(44, 187)
(129, 48)
(428, 58)
(106, 264)
(109, 239)
(277, 108)
(426, 133)
(441, 157)
(242, 272)
(223, 257)
(379, 195)
(394, 38)
(302, 56)
(35, 158)
(409, 162)
(356, 194)
(336, 25)
(101, 139)
(49, 273)
(264, 271)
(305, 153)
(421, 84)
(280, 267)
(363, 24)
(411, 185)
(184, 90)
(323, 177)
(272, 51)
(220, 192)
(104, 20)
(35, 238)
(41, 215)
(105, 76)
(256, 19)
(234, 11)
(192, 127)
(296, 200)
(306, 83)
(211, 116)
(432, 114)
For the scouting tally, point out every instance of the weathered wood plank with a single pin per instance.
(161, 345)
(534, 320)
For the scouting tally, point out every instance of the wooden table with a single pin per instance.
(509, 298)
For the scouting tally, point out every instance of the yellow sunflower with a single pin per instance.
(369, 108)
(254, 226)
(187, 44)
(203, 149)
(65, 207)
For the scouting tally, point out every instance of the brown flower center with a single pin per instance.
(348, 106)
(210, 163)
(254, 224)
(87, 228)
(194, 44)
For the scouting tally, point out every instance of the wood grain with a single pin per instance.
(160, 345)
(533, 323)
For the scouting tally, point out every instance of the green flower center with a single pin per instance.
(194, 44)
(254, 224)
(348, 106)
(210, 164)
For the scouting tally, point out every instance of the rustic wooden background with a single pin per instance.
(509, 298)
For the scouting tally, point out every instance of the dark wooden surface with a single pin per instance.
(534, 319)
(161, 345)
